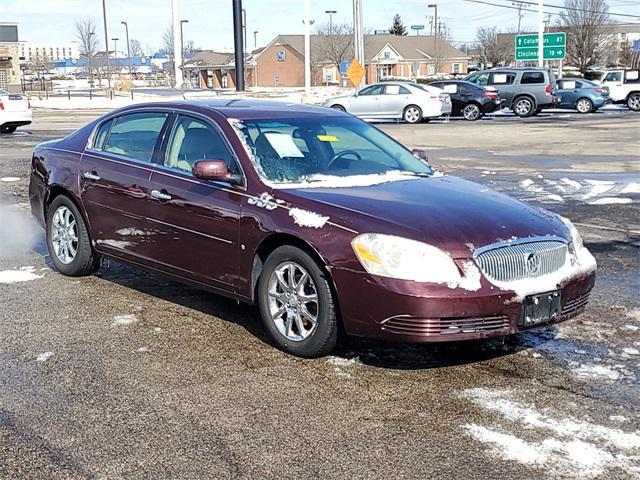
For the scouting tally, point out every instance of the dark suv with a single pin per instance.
(526, 91)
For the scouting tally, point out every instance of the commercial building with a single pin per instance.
(9, 57)
(51, 52)
(281, 62)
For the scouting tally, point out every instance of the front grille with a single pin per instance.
(525, 259)
(445, 326)
(575, 305)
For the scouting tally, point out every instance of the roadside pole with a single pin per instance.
(177, 53)
(358, 34)
(540, 33)
(106, 42)
(307, 45)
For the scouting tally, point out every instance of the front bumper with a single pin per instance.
(403, 311)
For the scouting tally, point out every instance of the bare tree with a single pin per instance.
(336, 44)
(86, 35)
(496, 49)
(167, 41)
(135, 47)
(585, 22)
(189, 49)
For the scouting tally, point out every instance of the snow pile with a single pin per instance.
(598, 188)
(24, 274)
(305, 218)
(547, 190)
(124, 320)
(470, 279)
(611, 200)
(43, 357)
(570, 447)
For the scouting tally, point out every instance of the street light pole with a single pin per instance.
(90, 58)
(126, 29)
(238, 44)
(115, 53)
(540, 33)
(255, 38)
(330, 12)
(182, 22)
(435, 21)
(106, 39)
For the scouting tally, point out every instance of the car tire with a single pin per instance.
(584, 105)
(8, 129)
(286, 315)
(68, 239)
(471, 112)
(524, 107)
(412, 114)
(339, 108)
(633, 102)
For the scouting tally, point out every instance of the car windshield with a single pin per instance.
(325, 149)
(2, 92)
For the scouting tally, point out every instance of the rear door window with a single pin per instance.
(502, 78)
(480, 78)
(101, 136)
(135, 135)
(372, 90)
(530, 78)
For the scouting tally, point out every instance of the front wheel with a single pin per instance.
(68, 239)
(8, 129)
(471, 112)
(584, 105)
(412, 114)
(524, 107)
(633, 102)
(296, 303)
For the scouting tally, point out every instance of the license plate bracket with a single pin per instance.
(541, 308)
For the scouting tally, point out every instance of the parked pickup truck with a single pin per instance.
(624, 87)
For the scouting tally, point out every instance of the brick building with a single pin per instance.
(281, 62)
(10, 58)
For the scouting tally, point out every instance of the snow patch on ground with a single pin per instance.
(597, 371)
(124, 320)
(43, 357)
(631, 351)
(571, 447)
(9, 179)
(143, 350)
(308, 219)
(548, 190)
(341, 374)
(24, 274)
(343, 362)
(611, 201)
(631, 188)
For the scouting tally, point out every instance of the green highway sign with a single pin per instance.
(417, 27)
(526, 46)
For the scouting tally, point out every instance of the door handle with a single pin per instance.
(91, 176)
(164, 196)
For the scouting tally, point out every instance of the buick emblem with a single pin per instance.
(533, 262)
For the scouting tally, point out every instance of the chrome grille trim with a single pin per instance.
(508, 261)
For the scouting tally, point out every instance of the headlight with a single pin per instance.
(576, 239)
(404, 259)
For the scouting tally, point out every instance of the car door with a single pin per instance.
(394, 99)
(114, 182)
(568, 90)
(197, 221)
(504, 83)
(367, 102)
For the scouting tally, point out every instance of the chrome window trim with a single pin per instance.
(520, 241)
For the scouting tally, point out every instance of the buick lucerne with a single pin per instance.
(319, 218)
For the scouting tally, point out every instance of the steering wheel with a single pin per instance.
(344, 153)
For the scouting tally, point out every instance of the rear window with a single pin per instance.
(532, 78)
(101, 136)
(135, 135)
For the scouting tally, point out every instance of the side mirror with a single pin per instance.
(212, 170)
(421, 153)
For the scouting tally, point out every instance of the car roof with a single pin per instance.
(243, 109)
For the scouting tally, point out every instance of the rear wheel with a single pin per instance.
(524, 107)
(68, 239)
(584, 105)
(471, 112)
(296, 303)
(412, 114)
(633, 102)
(338, 107)
(8, 129)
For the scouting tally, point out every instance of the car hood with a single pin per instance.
(455, 215)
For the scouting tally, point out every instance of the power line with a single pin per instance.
(551, 6)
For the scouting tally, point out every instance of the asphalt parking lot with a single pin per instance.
(126, 374)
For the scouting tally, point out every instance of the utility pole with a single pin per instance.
(90, 58)
(237, 44)
(307, 45)
(520, 6)
(540, 33)
(435, 39)
(177, 50)
(106, 40)
(358, 33)
(126, 29)
(255, 38)
(331, 13)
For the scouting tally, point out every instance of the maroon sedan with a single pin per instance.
(319, 218)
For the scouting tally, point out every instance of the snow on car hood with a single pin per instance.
(455, 215)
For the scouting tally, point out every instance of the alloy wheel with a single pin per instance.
(633, 102)
(64, 235)
(471, 112)
(583, 105)
(523, 107)
(412, 114)
(293, 301)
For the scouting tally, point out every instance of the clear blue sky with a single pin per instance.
(210, 21)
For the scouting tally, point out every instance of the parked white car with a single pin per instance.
(15, 111)
(407, 101)
(624, 87)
